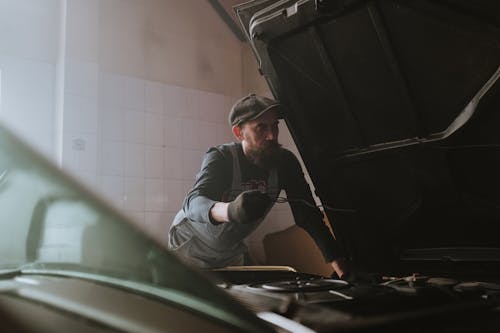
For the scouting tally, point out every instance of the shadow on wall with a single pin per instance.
(294, 247)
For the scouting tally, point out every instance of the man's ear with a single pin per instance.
(237, 132)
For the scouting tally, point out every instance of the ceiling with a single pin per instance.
(225, 10)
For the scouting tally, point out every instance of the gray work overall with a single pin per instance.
(207, 245)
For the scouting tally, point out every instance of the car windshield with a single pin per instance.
(52, 225)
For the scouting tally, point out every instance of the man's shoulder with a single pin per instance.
(226, 147)
(224, 150)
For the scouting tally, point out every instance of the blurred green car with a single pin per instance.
(70, 263)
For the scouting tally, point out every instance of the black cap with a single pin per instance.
(251, 107)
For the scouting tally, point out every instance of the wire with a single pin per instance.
(333, 209)
(281, 200)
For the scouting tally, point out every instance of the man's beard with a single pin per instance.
(265, 156)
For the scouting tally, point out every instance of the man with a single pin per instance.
(237, 186)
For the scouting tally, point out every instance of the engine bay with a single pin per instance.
(325, 304)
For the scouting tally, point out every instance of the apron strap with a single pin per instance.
(236, 182)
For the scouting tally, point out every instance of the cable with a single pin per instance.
(333, 209)
(281, 200)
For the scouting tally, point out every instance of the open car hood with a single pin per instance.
(394, 107)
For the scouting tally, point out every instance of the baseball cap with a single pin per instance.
(251, 107)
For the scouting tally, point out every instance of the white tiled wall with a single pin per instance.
(148, 86)
(29, 41)
(27, 92)
(28, 29)
(141, 142)
(147, 91)
(166, 84)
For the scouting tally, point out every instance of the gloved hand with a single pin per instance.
(248, 206)
(359, 278)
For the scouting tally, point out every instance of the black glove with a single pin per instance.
(248, 206)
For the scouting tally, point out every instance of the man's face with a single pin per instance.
(259, 138)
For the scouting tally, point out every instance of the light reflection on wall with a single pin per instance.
(64, 223)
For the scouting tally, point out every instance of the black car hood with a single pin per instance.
(395, 109)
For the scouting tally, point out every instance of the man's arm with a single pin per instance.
(203, 202)
(308, 216)
(248, 207)
(218, 212)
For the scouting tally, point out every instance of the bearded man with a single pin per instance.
(238, 184)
